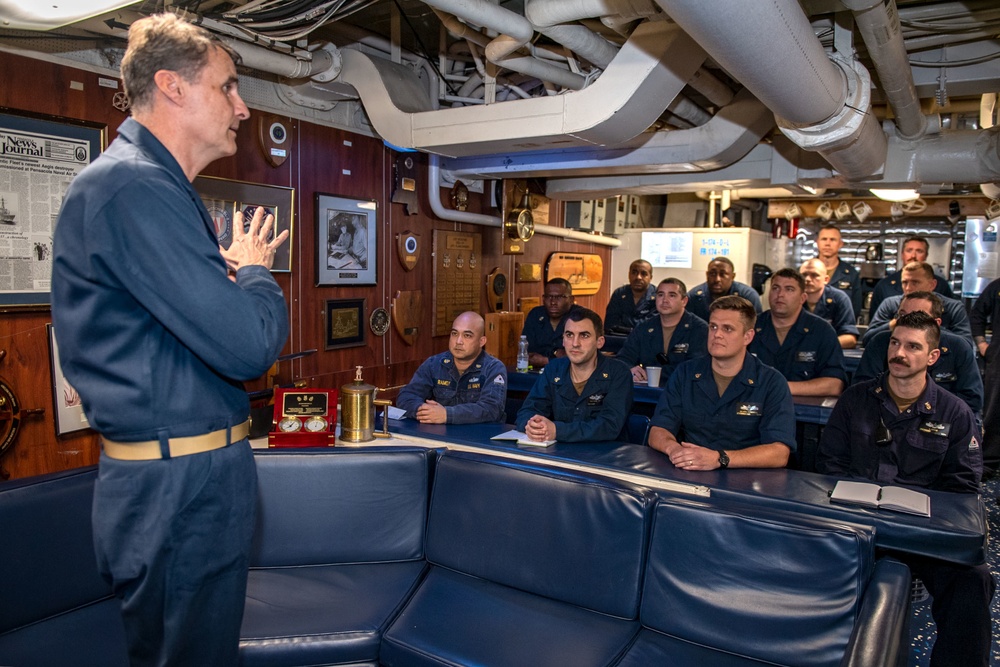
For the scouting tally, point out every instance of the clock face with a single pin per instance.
(525, 225)
(289, 425)
(315, 424)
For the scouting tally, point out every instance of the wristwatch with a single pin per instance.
(723, 459)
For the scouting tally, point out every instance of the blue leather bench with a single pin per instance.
(411, 557)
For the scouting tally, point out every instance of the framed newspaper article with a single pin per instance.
(38, 159)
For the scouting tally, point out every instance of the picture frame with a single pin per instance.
(68, 413)
(345, 240)
(224, 197)
(44, 155)
(345, 323)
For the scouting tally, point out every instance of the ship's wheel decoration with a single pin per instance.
(121, 102)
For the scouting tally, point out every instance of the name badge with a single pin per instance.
(844, 284)
(807, 357)
(681, 348)
(596, 399)
(444, 383)
(936, 428)
(748, 409)
(945, 377)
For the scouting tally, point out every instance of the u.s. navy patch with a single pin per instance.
(748, 410)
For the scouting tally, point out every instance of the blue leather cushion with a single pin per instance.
(653, 648)
(90, 636)
(47, 553)
(454, 619)
(785, 589)
(302, 496)
(573, 538)
(329, 615)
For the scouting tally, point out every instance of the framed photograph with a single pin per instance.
(345, 243)
(345, 323)
(38, 160)
(68, 415)
(223, 198)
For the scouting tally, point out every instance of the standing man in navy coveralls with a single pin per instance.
(157, 329)
(632, 303)
(544, 324)
(720, 281)
(801, 346)
(669, 340)
(843, 276)
(986, 312)
(464, 385)
(901, 428)
(584, 397)
(727, 410)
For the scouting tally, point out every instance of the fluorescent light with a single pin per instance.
(38, 15)
(896, 195)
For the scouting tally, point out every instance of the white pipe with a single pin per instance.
(434, 196)
(879, 26)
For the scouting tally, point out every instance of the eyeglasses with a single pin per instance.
(555, 297)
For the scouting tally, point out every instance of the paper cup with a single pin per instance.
(653, 376)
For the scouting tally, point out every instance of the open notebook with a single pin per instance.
(522, 439)
(892, 498)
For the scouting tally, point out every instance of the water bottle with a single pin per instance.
(522, 355)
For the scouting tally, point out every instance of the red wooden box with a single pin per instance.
(304, 418)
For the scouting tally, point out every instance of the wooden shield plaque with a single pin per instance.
(407, 307)
(408, 249)
(583, 271)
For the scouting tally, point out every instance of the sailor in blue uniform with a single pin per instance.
(719, 282)
(632, 303)
(464, 385)
(544, 324)
(801, 346)
(843, 276)
(584, 397)
(955, 370)
(915, 249)
(727, 410)
(669, 340)
(919, 277)
(901, 428)
(829, 303)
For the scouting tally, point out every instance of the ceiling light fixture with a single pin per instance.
(35, 15)
(895, 195)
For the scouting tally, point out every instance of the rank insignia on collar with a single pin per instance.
(878, 390)
(806, 329)
(479, 365)
(556, 379)
(605, 375)
(749, 380)
(697, 376)
(650, 330)
(829, 300)
(944, 350)
(927, 405)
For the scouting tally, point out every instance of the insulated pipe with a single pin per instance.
(450, 214)
(545, 13)
(256, 57)
(515, 32)
(974, 155)
(878, 23)
(822, 106)
(583, 42)
(786, 69)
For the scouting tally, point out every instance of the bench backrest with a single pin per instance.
(776, 587)
(48, 547)
(341, 505)
(575, 538)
